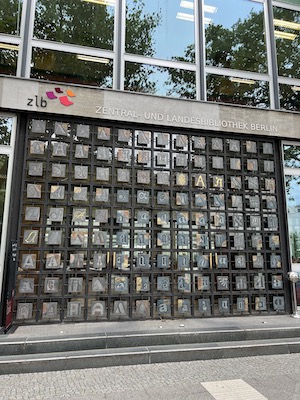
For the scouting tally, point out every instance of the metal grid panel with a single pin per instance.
(123, 222)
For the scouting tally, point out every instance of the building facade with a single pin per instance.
(149, 158)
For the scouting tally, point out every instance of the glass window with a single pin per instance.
(5, 130)
(291, 156)
(10, 16)
(296, 2)
(75, 68)
(160, 81)
(292, 184)
(235, 35)
(8, 59)
(161, 29)
(238, 91)
(287, 30)
(293, 206)
(78, 22)
(290, 97)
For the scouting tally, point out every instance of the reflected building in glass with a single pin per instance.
(149, 158)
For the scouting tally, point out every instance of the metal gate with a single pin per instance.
(122, 222)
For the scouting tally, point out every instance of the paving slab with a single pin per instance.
(266, 322)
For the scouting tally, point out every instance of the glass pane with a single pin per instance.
(67, 67)
(291, 156)
(238, 91)
(290, 97)
(293, 206)
(10, 16)
(152, 28)
(3, 176)
(8, 59)
(160, 81)
(296, 2)
(5, 130)
(287, 30)
(235, 35)
(78, 22)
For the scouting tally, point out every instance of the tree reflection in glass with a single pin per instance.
(67, 67)
(159, 28)
(292, 185)
(287, 29)
(10, 16)
(8, 61)
(77, 22)
(293, 207)
(5, 130)
(238, 91)
(235, 35)
(157, 80)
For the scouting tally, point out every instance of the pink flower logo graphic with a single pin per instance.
(64, 99)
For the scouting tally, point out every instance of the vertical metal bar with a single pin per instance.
(27, 32)
(295, 313)
(283, 219)
(200, 51)
(118, 47)
(272, 56)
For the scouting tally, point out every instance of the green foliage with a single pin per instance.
(8, 62)
(288, 50)
(5, 130)
(182, 82)
(221, 89)
(288, 59)
(218, 46)
(76, 22)
(65, 67)
(240, 47)
(10, 16)
(140, 29)
(89, 24)
(292, 156)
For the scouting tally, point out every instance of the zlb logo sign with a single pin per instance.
(64, 99)
(57, 93)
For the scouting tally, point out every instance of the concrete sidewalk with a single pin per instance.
(50, 347)
(265, 322)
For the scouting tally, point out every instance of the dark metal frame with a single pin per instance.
(157, 303)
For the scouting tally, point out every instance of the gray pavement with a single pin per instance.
(274, 377)
(176, 325)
